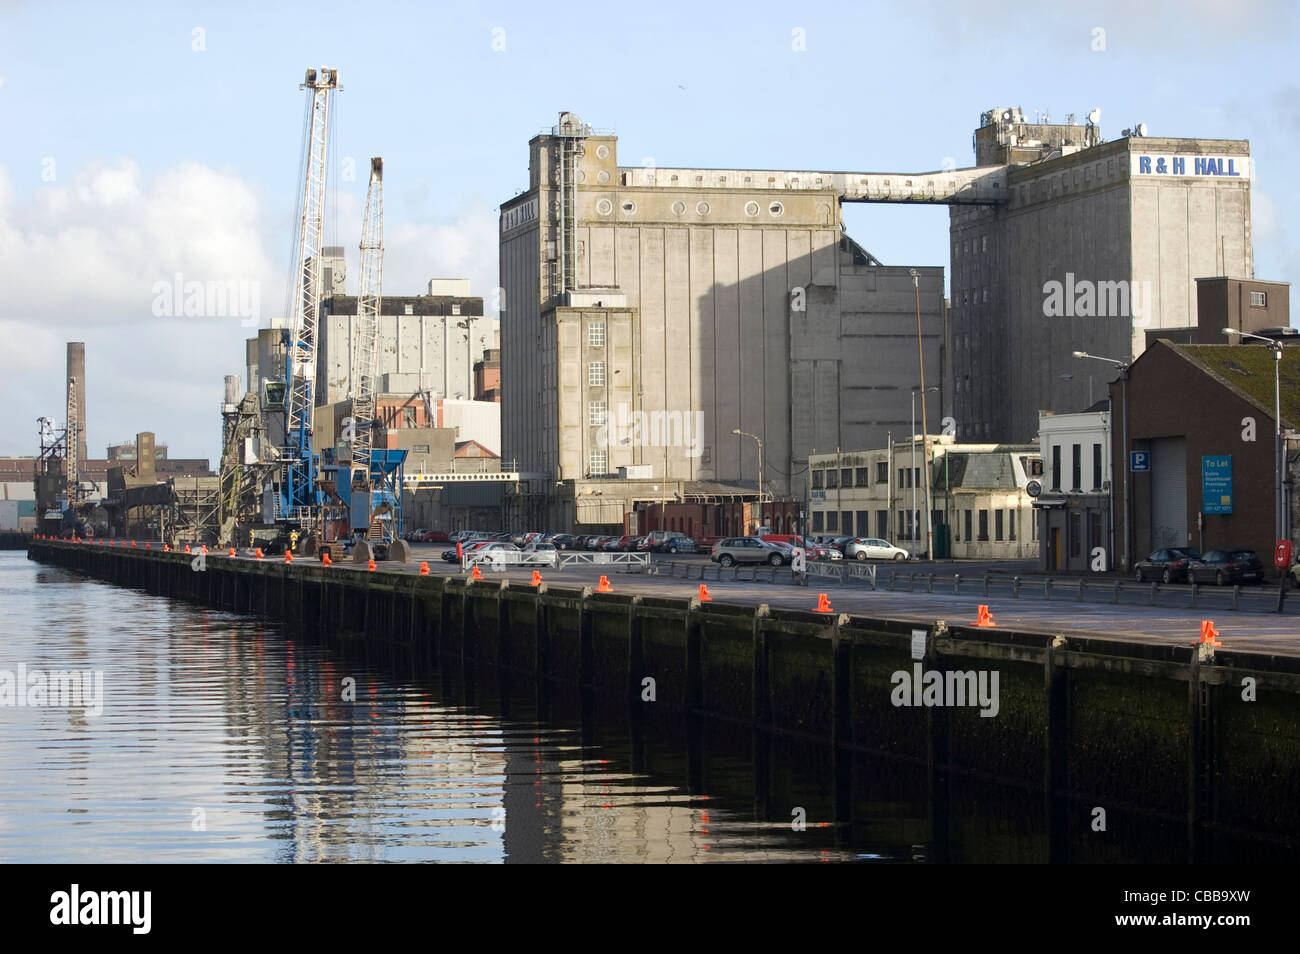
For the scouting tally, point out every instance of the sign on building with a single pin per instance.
(1139, 460)
(1216, 484)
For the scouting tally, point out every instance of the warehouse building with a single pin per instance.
(660, 323)
(1094, 245)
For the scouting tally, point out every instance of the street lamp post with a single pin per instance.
(916, 514)
(1128, 506)
(759, 440)
(925, 430)
(1279, 456)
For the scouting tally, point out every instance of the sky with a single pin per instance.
(148, 145)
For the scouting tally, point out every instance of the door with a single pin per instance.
(1168, 492)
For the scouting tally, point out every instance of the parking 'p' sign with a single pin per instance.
(1139, 460)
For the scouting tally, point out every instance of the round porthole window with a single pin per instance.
(776, 208)
(604, 207)
(602, 151)
(679, 207)
(580, 176)
(602, 176)
(702, 208)
(629, 207)
(751, 208)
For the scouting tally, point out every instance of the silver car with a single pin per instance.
(872, 548)
(735, 550)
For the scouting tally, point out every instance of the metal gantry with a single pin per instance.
(299, 496)
(366, 347)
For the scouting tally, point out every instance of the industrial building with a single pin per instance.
(1092, 245)
(660, 323)
(981, 508)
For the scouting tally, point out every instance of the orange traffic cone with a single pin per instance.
(704, 594)
(132, 544)
(985, 617)
(371, 566)
(167, 548)
(258, 552)
(1209, 634)
(288, 556)
(603, 586)
(147, 545)
(204, 548)
(325, 558)
(424, 569)
(187, 548)
(232, 552)
(537, 577)
(823, 604)
(475, 574)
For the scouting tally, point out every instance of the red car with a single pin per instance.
(435, 536)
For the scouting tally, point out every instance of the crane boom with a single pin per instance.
(299, 496)
(369, 301)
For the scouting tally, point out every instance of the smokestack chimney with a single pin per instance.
(77, 371)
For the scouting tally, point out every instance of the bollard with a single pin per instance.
(1195, 593)
(986, 584)
(929, 585)
(1015, 587)
(1115, 595)
(956, 584)
(1047, 588)
(1152, 600)
(1236, 594)
(1081, 590)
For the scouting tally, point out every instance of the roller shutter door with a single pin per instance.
(1168, 492)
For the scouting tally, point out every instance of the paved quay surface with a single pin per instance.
(1254, 627)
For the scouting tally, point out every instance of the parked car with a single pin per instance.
(415, 536)
(785, 549)
(873, 548)
(1168, 565)
(733, 550)
(434, 536)
(1229, 565)
(544, 550)
(565, 541)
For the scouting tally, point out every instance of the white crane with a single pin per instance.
(366, 345)
(299, 495)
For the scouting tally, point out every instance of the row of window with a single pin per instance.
(912, 527)
(852, 477)
(1076, 467)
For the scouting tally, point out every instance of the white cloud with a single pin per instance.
(79, 260)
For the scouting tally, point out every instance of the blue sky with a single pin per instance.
(129, 156)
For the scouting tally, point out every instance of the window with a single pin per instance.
(1076, 467)
(916, 475)
(902, 477)
(846, 476)
(817, 521)
(596, 413)
(863, 476)
(864, 523)
(1056, 466)
(596, 374)
(833, 520)
(882, 523)
(408, 417)
(832, 479)
(1013, 517)
(997, 525)
(967, 537)
(1094, 530)
(597, 462)
(902, 527)
(596, 334)
(1258, 299)
(817, 480)
(420, 449)
(984, 525)
(455, 309)
(1076, 533)
(846, 521)
(882, 472)
(1096, 467)
(410, 310)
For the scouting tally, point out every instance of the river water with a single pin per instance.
(218, 737)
